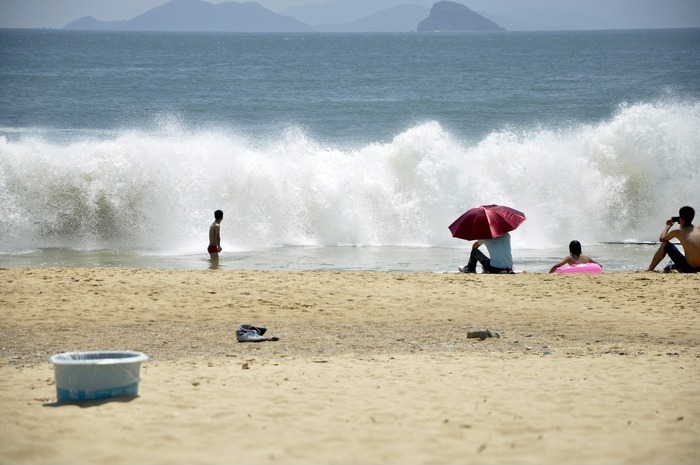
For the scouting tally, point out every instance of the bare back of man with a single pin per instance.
(215, 235)
(689, 237)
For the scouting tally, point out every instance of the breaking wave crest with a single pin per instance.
(156, 190)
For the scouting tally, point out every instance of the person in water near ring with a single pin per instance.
(575, 257)
(689, 237)
(214, 235)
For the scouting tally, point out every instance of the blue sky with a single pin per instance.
(600, 14)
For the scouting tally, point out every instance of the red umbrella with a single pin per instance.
(486, 222)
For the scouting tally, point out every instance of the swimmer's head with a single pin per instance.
(575, 248)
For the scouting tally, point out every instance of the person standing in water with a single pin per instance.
(575, 257)
(215, 236)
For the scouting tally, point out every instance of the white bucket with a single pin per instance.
(97, 375)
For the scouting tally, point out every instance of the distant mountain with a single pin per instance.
(448, 16)
(345, 11)
(200, 16)
(401, 18)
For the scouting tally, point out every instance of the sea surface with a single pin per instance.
(342, 151)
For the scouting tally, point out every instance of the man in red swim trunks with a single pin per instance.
(214, 236)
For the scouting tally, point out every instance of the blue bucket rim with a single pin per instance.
(98, 357)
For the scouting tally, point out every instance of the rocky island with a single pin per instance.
(448, 16)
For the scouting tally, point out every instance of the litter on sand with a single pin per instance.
(250, 333)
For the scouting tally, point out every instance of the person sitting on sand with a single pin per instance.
(501, 260)
(575, 257)
(214, 235)
(689, 237)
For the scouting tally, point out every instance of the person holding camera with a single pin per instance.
(689, 237)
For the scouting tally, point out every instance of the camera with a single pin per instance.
(675, 219)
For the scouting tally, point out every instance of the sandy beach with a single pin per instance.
(370, 368)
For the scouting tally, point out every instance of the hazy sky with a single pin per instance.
(602, 13)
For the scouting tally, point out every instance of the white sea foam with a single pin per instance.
(156, 189)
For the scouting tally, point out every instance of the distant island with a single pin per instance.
(400, 18)
(448, 16)
(202, 16)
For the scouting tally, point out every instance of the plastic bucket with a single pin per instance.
(97, 375)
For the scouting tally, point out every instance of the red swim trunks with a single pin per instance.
(212, 249)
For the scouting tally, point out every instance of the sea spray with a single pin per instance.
(155, 190)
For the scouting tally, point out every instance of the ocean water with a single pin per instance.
(342, 151)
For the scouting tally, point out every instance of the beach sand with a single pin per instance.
(370, 367)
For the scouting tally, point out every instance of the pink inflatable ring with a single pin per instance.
(590, 268)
